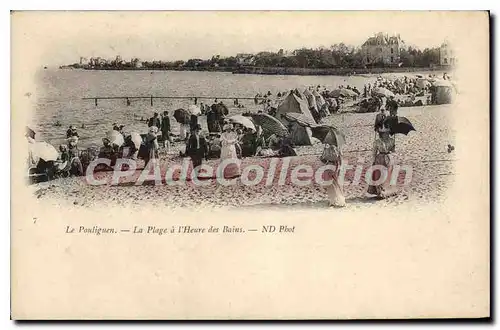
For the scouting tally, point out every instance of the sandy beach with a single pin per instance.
(424, 150)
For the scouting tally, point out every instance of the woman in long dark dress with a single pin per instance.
(383, 147)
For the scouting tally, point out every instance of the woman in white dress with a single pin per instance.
(151, 145)
(183, 131)
(229, 138)
(332, 155)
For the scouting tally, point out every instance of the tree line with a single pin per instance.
(336, 56)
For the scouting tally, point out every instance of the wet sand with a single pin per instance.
(425, 150)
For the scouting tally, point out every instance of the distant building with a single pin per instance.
(245, 59)
(382, 49)
(135, 62)
(447, 56)
(96, 61)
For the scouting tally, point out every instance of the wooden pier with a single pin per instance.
(151, 98)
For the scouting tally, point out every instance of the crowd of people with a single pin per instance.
(417, 85)
(229, 140)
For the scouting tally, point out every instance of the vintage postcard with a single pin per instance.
(250, 165)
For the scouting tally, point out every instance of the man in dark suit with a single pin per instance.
(197, 147)
(155, 121)
(71, 132)
(165, 128)
(193, 122)
(392, 106)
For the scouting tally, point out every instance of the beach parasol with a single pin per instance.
(300, 118)
(182, 116)
(380, 91)
(329, 135)
(45, 151)
(391, 77)
(270, 125)
(115, 138)
(442, 83)
(399, 125)
(242, 120)
(194, 110)
(30, 133)
(344, 92)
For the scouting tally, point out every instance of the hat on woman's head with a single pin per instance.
(73, 139)
(153, 129)
(384, 129)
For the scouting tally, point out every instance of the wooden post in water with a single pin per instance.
(151, 100)
(96, 101)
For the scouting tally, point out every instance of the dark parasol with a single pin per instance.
(182, 116)
(399, 125)
(270, 125)
(329, 135)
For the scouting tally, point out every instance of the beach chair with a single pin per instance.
(34, 176)
(63, 169)
(43, 171)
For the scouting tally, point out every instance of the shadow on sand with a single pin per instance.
(353, 201)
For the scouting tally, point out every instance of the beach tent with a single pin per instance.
(443, 92)
(311, 100)
(292, 103)
(320, 101)
(422, 82)
(344, 92)
(300, 135)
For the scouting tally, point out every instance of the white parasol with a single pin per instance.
(382, 92)
(115, 137)
(43, 150)
(245, 121)
(194, 110)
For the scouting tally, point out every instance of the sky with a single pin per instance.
(58, 38)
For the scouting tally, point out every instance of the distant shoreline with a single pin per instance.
(276, 70)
